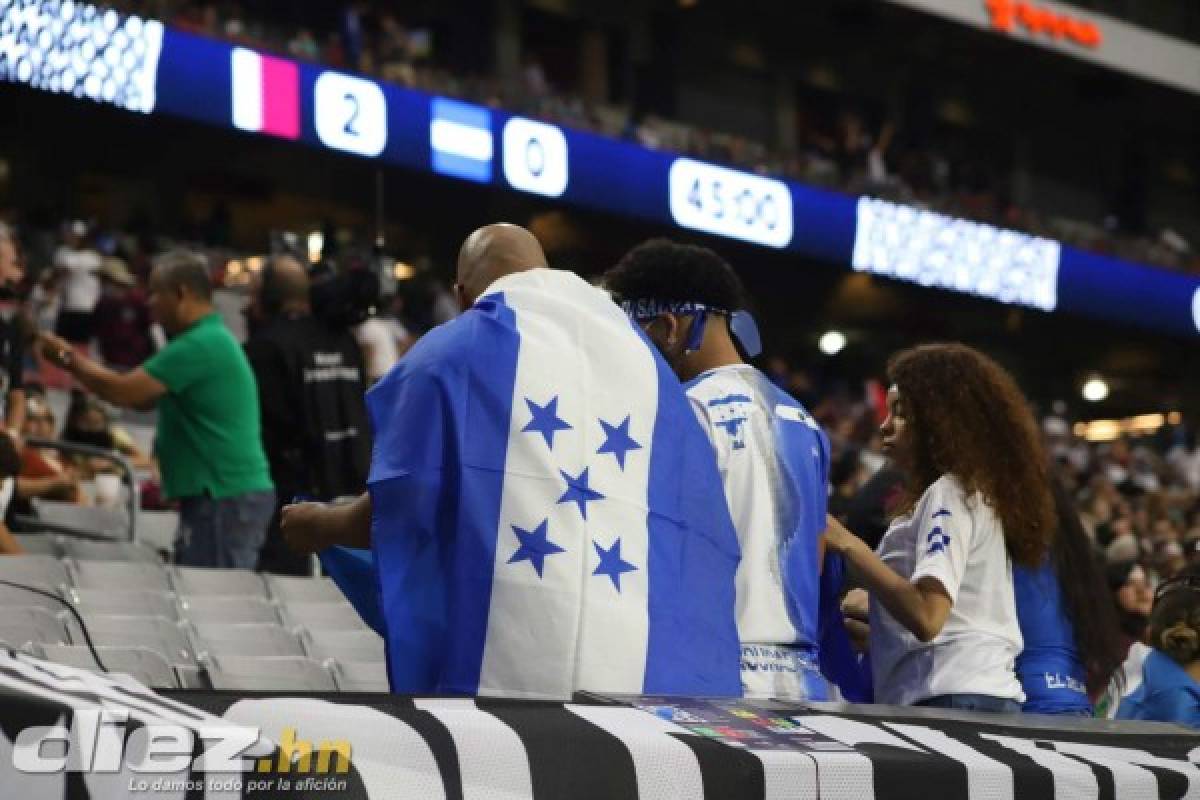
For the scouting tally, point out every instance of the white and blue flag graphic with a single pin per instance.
(548, 516)
(460, 140)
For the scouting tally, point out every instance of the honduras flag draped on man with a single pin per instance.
(547, 514)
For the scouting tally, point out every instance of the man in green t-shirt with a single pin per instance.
(208, 442)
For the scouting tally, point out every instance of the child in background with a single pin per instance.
(1170, 691)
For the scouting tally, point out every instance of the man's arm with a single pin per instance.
(135, 389)
(311, 527)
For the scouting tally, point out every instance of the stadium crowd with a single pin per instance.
(1136, 501)
(842, 146)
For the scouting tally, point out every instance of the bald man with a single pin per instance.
(544, 513)
(488, 254)
(311, 386)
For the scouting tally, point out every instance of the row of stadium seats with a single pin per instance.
(48, 544)
(184, 627)
(241, 673)
(155, 528)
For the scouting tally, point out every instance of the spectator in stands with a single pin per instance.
(304, 46)
(773, 458)
(382, 341)
(310, 389)
(209, 442)
(1072, 644)
(1170, 689)
(422, 515)
(78, 263)
(121, 319)
(10, 467)
(45, 300)
(944, 628)
(395, 61)
(12, 334)
(88, 423)
(1133, 596)
(43, 473)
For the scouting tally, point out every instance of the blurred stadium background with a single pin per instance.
(1020, 176)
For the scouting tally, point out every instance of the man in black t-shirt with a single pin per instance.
(311, 395)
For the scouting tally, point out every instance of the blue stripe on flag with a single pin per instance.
(463, 113)
(493, 351)
(441, 421)
(462, 167)
(693, 641)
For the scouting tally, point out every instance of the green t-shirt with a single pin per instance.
(208, 437)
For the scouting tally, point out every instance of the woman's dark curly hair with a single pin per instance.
(967, 417)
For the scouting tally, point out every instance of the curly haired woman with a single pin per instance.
(1170, 691)
(944, 628)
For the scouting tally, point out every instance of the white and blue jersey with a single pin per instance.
(1049, 668)
(954, 537)
(774, 463)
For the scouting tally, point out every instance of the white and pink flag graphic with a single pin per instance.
(266, 94)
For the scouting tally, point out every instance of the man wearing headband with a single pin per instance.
(773, 458)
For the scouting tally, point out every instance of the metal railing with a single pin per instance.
(128, 479)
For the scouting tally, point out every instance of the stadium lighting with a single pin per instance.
(316, 243)
(832, 342)
(1095, 390)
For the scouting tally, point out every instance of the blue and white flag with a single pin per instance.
(460, 140)
(547, 513)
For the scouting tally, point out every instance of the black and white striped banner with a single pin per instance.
(491, 749)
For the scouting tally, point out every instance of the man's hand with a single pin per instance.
(55, 350)
(309, 527)
(133, 389)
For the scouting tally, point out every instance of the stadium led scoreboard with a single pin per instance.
(144, 66)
